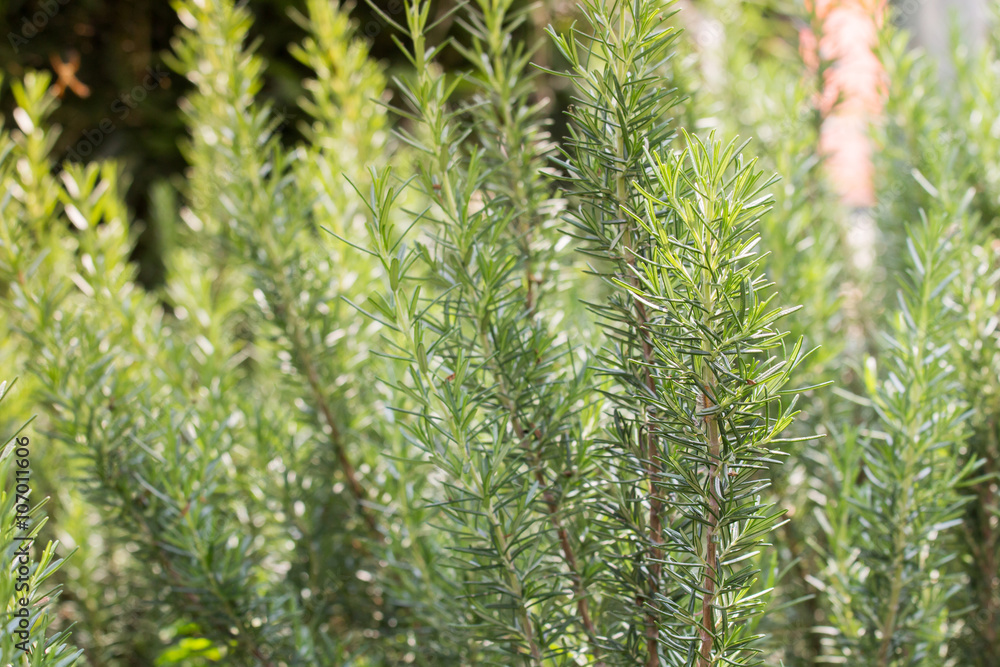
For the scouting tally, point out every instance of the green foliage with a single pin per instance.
(685, 421)
(891, 528)
(497, 396)
(426, 383)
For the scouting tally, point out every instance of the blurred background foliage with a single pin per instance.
(125, 83)
(119, 45)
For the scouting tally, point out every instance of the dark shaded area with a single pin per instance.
(125, 104)
(129, 113)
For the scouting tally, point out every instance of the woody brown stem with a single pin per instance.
(653, 472)
(336, 440)
(552, 504)
(532, 284)
(286, 312)
(304, 362)
(708, 583)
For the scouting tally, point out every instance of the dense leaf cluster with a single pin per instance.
(425, 384)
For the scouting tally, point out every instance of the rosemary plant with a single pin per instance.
(439, 380)
(695, 415)
(496, 393)
(978, 343)
(891, 526)
(894, 578)
(697, 397)
(171, 415)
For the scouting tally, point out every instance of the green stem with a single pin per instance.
(913, 436)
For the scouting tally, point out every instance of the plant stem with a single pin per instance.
(917, 390)
(336, 439)
(512, 580)
(653, 470)
(889, 627)
(551, 503)
(305, 364)
(652, 454)
(708, 582)
(653, 473)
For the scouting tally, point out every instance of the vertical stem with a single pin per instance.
(707, 630)
(889, 627)
(652, 454)
(303, 361)
(336, 440)
(552, 505)
(490, 513)
(905, 479)
(513, 581)
(653, 471)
